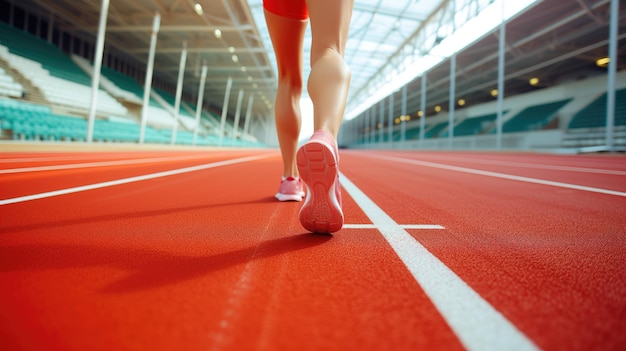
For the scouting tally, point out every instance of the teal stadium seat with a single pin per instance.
(435, 130)
(473, 125)
(533, 117)
(594, 114)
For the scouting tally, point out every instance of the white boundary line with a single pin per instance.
(477, 324)
(499, 175)
(133, 179)
(534, 165)
(405, 226)
(100, 164)
(48, 159)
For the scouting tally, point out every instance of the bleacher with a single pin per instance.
(21, 120)
(50, 57)
(26, 121)
(594, 114)
(412, 133)
(587, 128)
(53, 72)
(435, 130)
(8, 86)
(533, 117)
(185, 118)
(473, 125)
(66, 87)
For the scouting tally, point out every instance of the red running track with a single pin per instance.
(190, 251)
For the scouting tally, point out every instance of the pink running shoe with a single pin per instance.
(290, 189)
(317, 162)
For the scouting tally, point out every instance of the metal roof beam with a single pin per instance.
(121, 29)
(205, 50)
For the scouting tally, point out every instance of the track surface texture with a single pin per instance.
(189, 250)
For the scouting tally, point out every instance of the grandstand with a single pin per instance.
(50, 65)
(569, 117)
(54, 102)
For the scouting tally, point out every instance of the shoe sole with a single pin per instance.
(321, 211)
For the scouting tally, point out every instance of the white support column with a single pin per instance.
(451, 101)
(423, 107)
(148, 83)
(225, 110)
(403, 121)
(199, 104)
(237, 114)
(51, 24)
(269, 129)
(362, 127)
(366, 116)
(364, 119)
(95, 78)
(501, 57)
(179, 91)
(610, 92)
(246, 124)
(368, 124)
(390, 121)
(356, 131)
(381, 121)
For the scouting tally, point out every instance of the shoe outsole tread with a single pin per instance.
(317, 165)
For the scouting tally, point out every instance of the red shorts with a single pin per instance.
(295, 9)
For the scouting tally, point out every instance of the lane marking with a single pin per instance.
(133, 179)
(535, 165)
(54, 158)
(476, 323)
(499, 175)
(404, 226)
(100, 164)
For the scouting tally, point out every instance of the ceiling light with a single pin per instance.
(231, 49)
(198, 8)
(494, 92)
(235, 58)
(534, 81)
(420, 113)
(244, 68)
(218, 33)
(249, 78)
(603, 62)
(437, 108)
(461, 102)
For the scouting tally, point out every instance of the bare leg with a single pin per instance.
(287, 36)
(328, 85)
(329, 79)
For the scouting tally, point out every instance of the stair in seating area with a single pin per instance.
(31, 92)
(53, 72)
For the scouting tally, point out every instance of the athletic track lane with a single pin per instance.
(207, 259)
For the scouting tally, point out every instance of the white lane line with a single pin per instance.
(133, 179)
(54, 158)
(100, 164)
(500, 175)
(404, 226)
(535, 165)
(476, 323)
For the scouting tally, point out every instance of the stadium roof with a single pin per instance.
(553, 40)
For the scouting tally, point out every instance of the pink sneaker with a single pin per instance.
(290, 189)
(317, 162)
